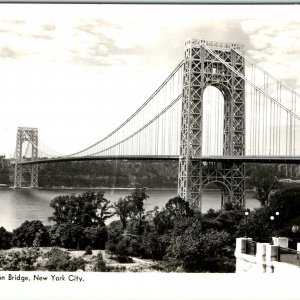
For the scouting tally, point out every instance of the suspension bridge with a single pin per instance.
(216, 111)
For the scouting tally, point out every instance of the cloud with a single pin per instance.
(14, 21)
(7, 52)
(42, 36)
(94, 25)
(94, 46)
(49, 27)
(274, 45)
(20, 38)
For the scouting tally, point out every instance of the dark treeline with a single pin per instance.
(103, 174)
(127, 174)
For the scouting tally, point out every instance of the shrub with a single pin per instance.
(76, 263)
(58, 260)
(23, 260)
(115, 268)
(130, 245)
(99, 264)
(54, 236)
(88, 250)
(124, 259)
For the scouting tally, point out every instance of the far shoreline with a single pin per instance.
(109, 188)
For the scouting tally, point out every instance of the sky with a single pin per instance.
(77, 71)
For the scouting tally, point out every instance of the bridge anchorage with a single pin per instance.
(202, 69)
(30, 135)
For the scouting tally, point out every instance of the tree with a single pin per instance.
(286, 202)
(284, 206)
(229, 220)
(115, 233)
(129, 245)
(87, 209)
(96, 236)
(178, 207)
(175, 208)
(5, 238)
(137, 198)
(256, 225)
(72, 236)
(153, 245)
(136, 205)
(60, 206)
(97, 207)
(25, 235)
(123, 209)
(195, 250)
(264, 178)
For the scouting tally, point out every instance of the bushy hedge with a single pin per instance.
(59, 260)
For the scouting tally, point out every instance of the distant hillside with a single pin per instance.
(103, 174)
(125, 174)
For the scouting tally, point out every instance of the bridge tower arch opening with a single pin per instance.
(29, 135)
(212, 123)
(201, 70)
(210, 192)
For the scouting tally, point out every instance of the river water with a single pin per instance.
(20, 205)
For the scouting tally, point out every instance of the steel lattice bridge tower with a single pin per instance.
(255, 123)
(30, 135)
(201, 69)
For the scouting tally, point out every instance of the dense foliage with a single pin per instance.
(23, 260)
(264, 178)
(29, 234)
(87, 209)
(59, 260)
(189, 241)
(179, 237)
(5, 238)
(80, 220)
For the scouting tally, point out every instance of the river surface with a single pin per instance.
(20, 205)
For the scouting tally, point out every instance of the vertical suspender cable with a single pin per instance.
(279, 121)
(294, 137)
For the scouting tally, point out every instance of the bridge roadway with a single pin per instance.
(246, 159)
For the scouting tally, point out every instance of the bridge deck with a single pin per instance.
(246, 159)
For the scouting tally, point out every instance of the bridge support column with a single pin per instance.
(30, 135)
(228, 177)
(201, 69)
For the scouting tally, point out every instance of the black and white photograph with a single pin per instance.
(146, 138)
